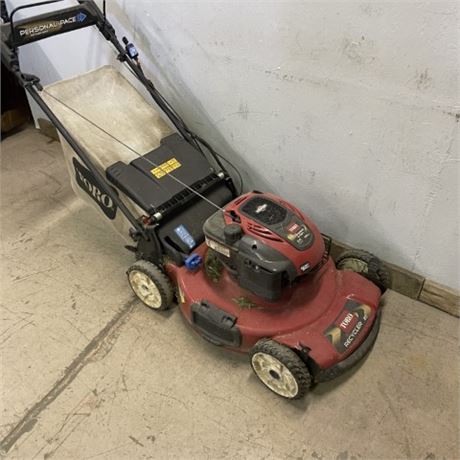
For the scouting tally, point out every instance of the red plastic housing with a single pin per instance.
(314, 314)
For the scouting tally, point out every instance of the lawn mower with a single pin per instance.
(250, 271)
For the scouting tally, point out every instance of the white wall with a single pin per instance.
(349, 110)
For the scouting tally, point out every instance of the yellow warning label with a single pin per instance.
(165, 168)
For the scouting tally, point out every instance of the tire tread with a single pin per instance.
(377, 272)
(290, 359)
(160, 279)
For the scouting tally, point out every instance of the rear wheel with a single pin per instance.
(280, 369)
(365, 264)
(150, 285)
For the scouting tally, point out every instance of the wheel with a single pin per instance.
(280, 369)
(150, 285)
(365, 264)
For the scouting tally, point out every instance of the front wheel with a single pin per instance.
(150, 285)
(280, 369)
(365, 264)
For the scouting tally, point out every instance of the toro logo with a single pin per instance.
(346, 323)
(293, 227)
(87, 182)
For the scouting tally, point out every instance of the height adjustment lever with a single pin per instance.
(131, 50)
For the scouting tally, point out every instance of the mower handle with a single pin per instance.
(23, 7)
(56, 22)
(86, 13)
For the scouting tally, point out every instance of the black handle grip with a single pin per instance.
(46, 25)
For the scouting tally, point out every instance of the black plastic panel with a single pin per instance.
(216, 325)
(264, 211)
(164, 194)
(193, 166)
(193, 216)
(134, 184)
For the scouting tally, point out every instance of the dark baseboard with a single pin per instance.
(415, 286)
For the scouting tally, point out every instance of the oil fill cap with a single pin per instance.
(232, 233)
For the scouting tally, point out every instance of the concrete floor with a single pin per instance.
(88, 372)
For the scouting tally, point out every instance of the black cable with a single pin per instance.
(235, 169)
(194, 138)
(193, 135)
(4, 12)
(177, 118)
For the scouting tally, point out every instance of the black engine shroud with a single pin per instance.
(255, 265)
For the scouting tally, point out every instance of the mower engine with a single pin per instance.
(265, 243)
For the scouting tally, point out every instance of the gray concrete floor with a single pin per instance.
(88, 372)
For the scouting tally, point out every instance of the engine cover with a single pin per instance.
(264, 242)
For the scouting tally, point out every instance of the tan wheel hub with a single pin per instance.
(354, 265)
(275, 375)
(145, 289)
